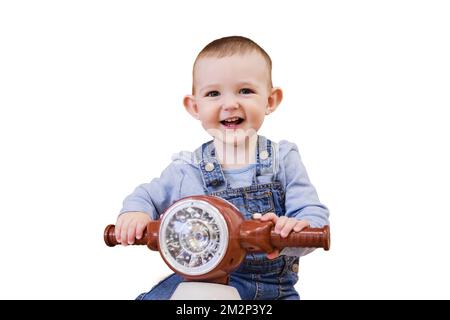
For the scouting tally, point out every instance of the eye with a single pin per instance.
(246, 91)
(212, 94)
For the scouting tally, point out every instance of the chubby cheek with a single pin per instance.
(207, 120)
(205, 114)
(256, 121)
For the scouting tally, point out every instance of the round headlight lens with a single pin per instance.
(193, 236)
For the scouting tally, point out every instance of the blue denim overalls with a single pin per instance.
(257, 277)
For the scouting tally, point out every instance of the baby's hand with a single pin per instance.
(283, 226)
(131, 225)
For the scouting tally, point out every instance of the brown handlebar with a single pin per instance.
(259, 236)
(243, 236)
(110, 237)
(308, 237)
(254, 236)
(149, 236)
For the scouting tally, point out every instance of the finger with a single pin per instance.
(124, 232)
(131, 232)
(140, 229)
(274, 254)
(118, 229)
(300, 225)
(256, 216)
(280, 224)
(269, 216)
(289, 225)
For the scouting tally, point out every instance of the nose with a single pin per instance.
(230, 102)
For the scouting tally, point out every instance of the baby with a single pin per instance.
(232, 93)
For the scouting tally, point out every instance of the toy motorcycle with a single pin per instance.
(205, 238)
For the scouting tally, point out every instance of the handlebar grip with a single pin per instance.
(256, 236)
(110, 237)
(308, 237)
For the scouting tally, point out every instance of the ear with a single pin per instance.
(274, 99)
(191, 106)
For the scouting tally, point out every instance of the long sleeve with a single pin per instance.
(154, 197)
(302, 201)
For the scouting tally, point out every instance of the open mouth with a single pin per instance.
(232, 122)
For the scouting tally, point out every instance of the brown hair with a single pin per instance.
(228, 46)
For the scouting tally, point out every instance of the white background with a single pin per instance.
(90, 107)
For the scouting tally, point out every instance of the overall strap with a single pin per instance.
(210, 168)
(266, 157)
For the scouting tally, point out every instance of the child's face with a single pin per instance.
(232, 95)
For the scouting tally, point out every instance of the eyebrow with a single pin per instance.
(216, 85)
(247, 83)
(209, 86)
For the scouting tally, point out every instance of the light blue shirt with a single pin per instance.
(182, 178)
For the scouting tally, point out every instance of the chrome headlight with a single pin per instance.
(193, 237)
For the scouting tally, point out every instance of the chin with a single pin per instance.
(236, 137)
(233, 137)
